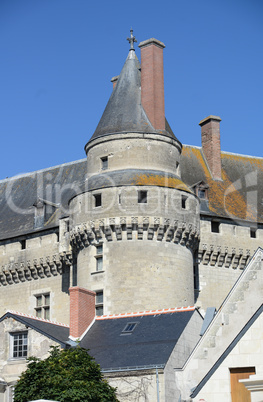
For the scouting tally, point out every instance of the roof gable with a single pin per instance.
(56, 331)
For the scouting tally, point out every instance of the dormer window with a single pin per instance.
(201, 190)
(39, 214)
(201, 193)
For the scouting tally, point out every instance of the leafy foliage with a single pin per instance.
(69, 375)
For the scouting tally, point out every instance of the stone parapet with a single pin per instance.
(143, 227)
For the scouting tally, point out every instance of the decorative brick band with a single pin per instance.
(146, 228)
(37, 318)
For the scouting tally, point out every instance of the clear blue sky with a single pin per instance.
(58, 57)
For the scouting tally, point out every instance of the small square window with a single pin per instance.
(18, 345)
(99, 310)
(104, 163)
(97, 199)
(215, 227)
(142, 197)
(183, 201)
(99, 249)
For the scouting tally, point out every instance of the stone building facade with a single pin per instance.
(142, 223)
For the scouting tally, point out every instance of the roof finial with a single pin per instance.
(131, 40)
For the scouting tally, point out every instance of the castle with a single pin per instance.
(142, 229)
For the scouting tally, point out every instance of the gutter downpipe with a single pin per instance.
(157, 385)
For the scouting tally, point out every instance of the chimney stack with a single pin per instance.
(210, 133)
(152, 83)
(82, 310)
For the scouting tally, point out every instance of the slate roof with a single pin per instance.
(148, 345)
(19, 193)
(242, 182)
(238, 195)
(124, 112)
(55, 331)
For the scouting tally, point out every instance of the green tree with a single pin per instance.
(68, 375)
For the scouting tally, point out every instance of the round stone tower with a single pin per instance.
(135, 225)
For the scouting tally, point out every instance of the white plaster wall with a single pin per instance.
(247, 353)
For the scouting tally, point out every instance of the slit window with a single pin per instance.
(215, 226)
(142, 197)
(253, 233)
(23, 244)
(97, 200)
(104, 163)
(183, 201)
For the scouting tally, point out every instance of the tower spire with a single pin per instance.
(131, 40)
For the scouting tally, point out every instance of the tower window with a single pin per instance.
(253, 233)
(215, 227)
(99, 302)
(142, 197)
(99, 257)
(23, 244)
(104, 163)
(183, 202)
(97, 200)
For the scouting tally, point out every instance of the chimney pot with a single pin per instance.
(210, 133)
(114, 80)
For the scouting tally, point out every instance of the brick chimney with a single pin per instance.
(210, 133)
(152, 84)
(82, 310)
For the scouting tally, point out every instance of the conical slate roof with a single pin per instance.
(124, 112)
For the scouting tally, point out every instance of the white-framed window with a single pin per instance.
(42, 308)
(99, 302)
(18, 345)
